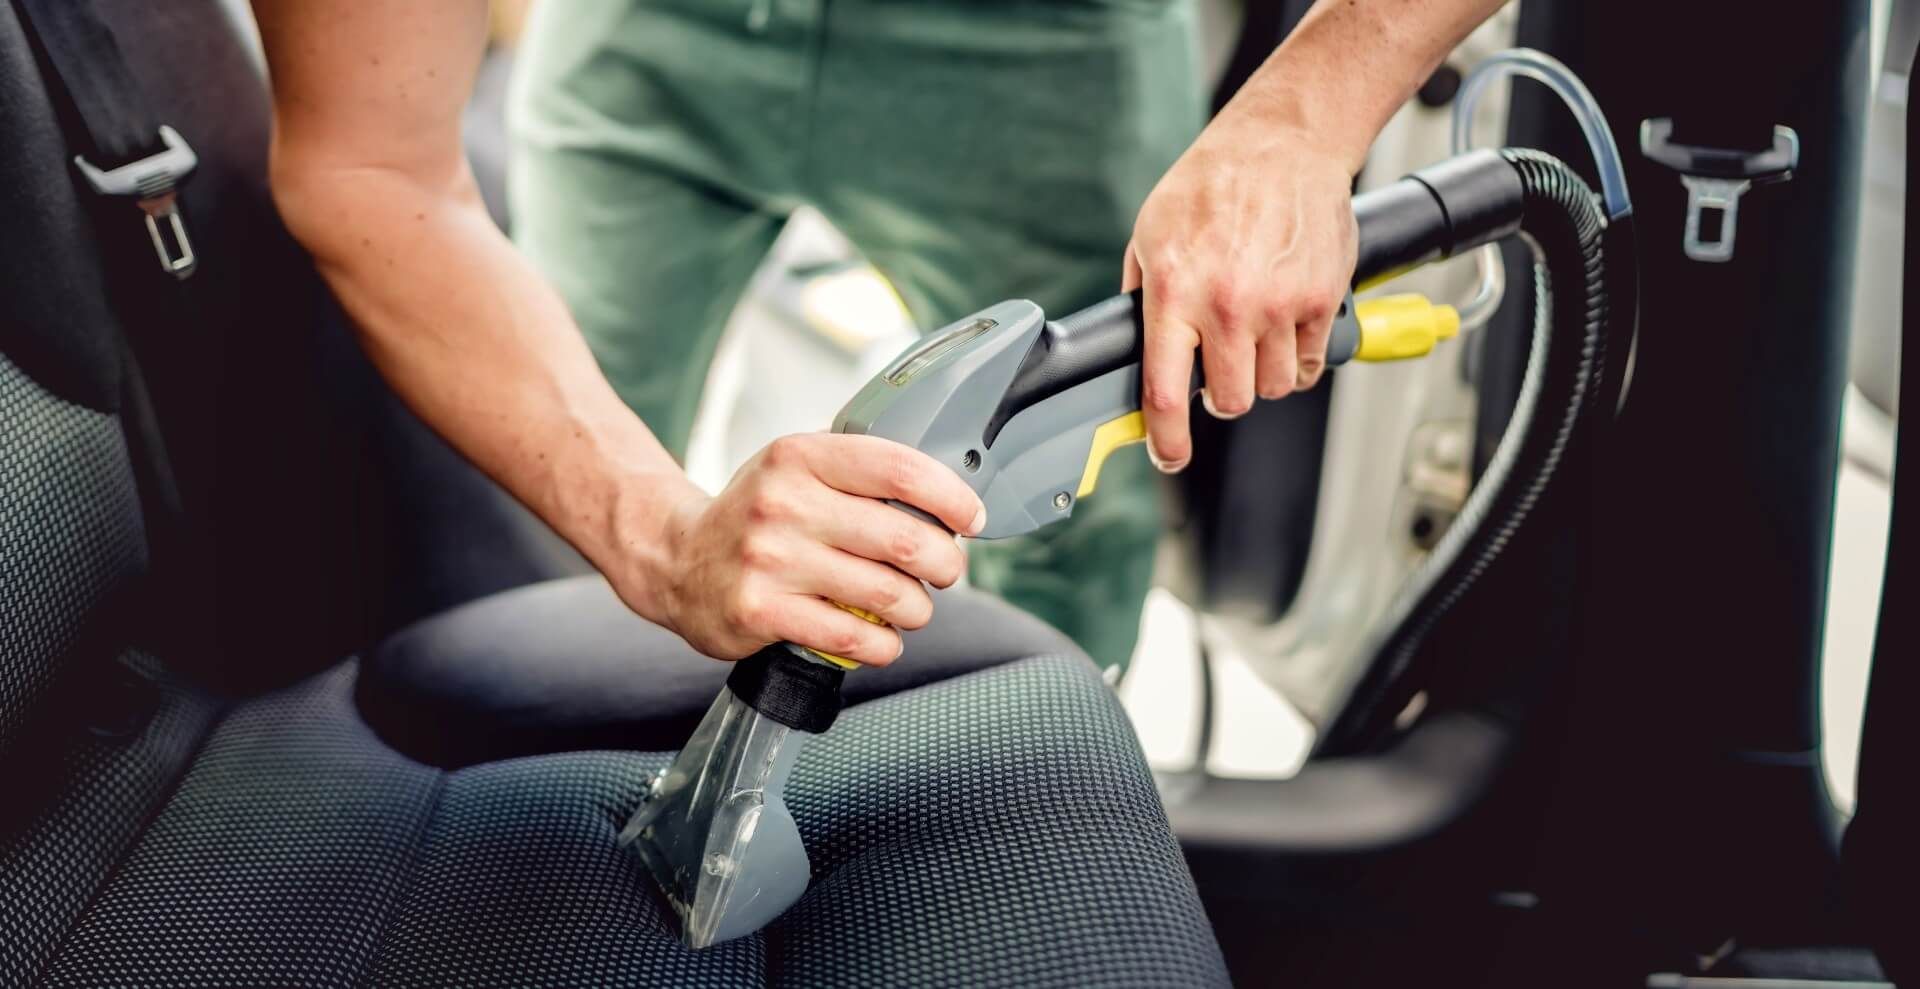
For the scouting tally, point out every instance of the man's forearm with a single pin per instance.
(369, 174)
(477, 344)
(1351, 63)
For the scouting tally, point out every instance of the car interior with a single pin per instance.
(292, 695)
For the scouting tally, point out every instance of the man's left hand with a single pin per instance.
(1244, 250)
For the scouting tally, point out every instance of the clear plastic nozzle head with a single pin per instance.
(715, 832)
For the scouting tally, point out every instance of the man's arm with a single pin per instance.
(1246, 246)
(369, 173)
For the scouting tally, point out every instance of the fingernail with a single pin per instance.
(902, 651)
(979, 522)
(1206, 401)
(1309, 374)
(1160, 464)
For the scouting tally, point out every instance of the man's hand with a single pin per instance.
(1244, 250)
(1247, 245)
(802, 525)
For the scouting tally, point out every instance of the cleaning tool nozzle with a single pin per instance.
(714, 831)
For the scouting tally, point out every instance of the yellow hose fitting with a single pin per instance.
(1396, 327)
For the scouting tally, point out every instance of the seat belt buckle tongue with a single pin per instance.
(153, 184)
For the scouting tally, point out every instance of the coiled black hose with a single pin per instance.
(1584, 275)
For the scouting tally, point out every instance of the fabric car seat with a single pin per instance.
(190, 809)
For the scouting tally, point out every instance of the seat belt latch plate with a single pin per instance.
(153, 184)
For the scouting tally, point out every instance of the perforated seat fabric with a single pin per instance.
(995, 829)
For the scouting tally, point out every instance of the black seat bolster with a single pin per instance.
(564, 666)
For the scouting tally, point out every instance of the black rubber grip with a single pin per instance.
(1070, 351)
(1401, 225)
(1437, 212)
(799, 693)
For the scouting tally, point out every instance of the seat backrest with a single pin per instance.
(80, 776)
(72, 538)
(188, 506)
(262, 400)
(184, 505)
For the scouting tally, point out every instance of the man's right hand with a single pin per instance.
(802, 525)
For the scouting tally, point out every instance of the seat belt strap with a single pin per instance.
(122, 150)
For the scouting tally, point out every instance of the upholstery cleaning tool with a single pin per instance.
(1026, 410)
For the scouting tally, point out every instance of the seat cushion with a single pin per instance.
(999, 827)
(564, 665)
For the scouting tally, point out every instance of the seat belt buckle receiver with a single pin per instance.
(1715, 179)
(153, 184)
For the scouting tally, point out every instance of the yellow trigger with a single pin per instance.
(1108, 437)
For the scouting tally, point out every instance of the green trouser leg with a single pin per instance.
(678, 304)
(649, 232)
(973, 152)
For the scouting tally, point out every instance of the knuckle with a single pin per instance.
(844, 642)
(1276, 312)
(757, 552)
(886, 597)
(1223, 299)
(1156, 396)
(784, 452)
(903, 546)
(746, 610)
(1163, 264)
(901, 475)
(767, 504)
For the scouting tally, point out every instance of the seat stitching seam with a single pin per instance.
(402, 891)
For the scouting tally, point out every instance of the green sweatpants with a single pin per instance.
(974, 151)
